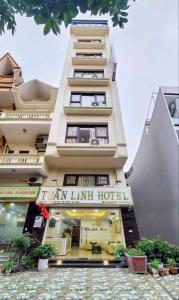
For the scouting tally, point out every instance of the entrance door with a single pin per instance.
(76, 236)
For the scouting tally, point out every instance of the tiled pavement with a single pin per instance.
(87, 284)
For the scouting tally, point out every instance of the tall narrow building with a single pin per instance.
(90, 205)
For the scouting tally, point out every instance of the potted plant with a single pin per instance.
(43, 253)
(119, 252)
(153, 267)
(7, 267)
(172, 266)
(147, 246)
(21, 244)
(136, 260)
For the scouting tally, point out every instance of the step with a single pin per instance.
(84, 263)
(79, 265)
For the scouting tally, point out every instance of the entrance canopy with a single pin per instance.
(71, 196)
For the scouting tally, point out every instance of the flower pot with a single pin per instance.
(161, 272)
(166, 270)
(173, 271)
(17, 267)
(42, 264)
(154, 272)
(136, 264)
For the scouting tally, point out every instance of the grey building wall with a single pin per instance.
(154, 179)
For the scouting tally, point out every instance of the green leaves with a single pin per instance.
(52, 13)
(51, 24)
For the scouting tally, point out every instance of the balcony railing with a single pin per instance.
(89, 28)
(89, 45)
(88, 81)
(89, 60)
(26, 116)
(9, 159)
(88, 110)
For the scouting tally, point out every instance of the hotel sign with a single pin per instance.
(120, 196)
(19, 192)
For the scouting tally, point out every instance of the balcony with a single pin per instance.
(89, 60)
(82, 81)
(19, 162)
(88, 45)
(25, 116)
(88, 110)
(89, 28)
(86, 156)
(86, 150)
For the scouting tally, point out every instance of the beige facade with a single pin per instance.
(71, 142)
(85, 157)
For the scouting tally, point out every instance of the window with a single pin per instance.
(87, 134)
(88, 99)
(89, 41)
(85, 180)
(23, 152)
(89, 55)
(88, 74)
(12, 219)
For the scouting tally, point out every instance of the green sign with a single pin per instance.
(19, 192)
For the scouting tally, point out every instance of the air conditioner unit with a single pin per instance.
(94, 104)
(41, 142)
(94, 142)
(35, 181)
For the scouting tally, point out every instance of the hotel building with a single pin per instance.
(154, 175)
(77, 150)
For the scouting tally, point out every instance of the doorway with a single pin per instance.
(75, 235)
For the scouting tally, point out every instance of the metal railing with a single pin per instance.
(17, 159)
(26, 115)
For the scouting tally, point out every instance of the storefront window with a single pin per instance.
(84, 232)
(12, 219)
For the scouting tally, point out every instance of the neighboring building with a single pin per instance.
(154, 175)
(85, 191)
(26, 111)
(75, 149)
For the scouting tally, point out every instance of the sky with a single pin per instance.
(146, 51)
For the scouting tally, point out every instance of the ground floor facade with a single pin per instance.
(83, 222)
(88, 222)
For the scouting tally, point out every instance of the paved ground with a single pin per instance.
(87, 284)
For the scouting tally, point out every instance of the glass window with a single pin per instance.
(85, 99)
(86, 180)
(72, 131)
(84, 134)
(102, 180)
(88, 55)
(70, 180)
(88, 74)
(12, 219)
(75, 97)
(89, 41)
(101, 131)
(87, 134)
(100, 98)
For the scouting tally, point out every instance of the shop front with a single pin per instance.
(16, 205)
(86, 222)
